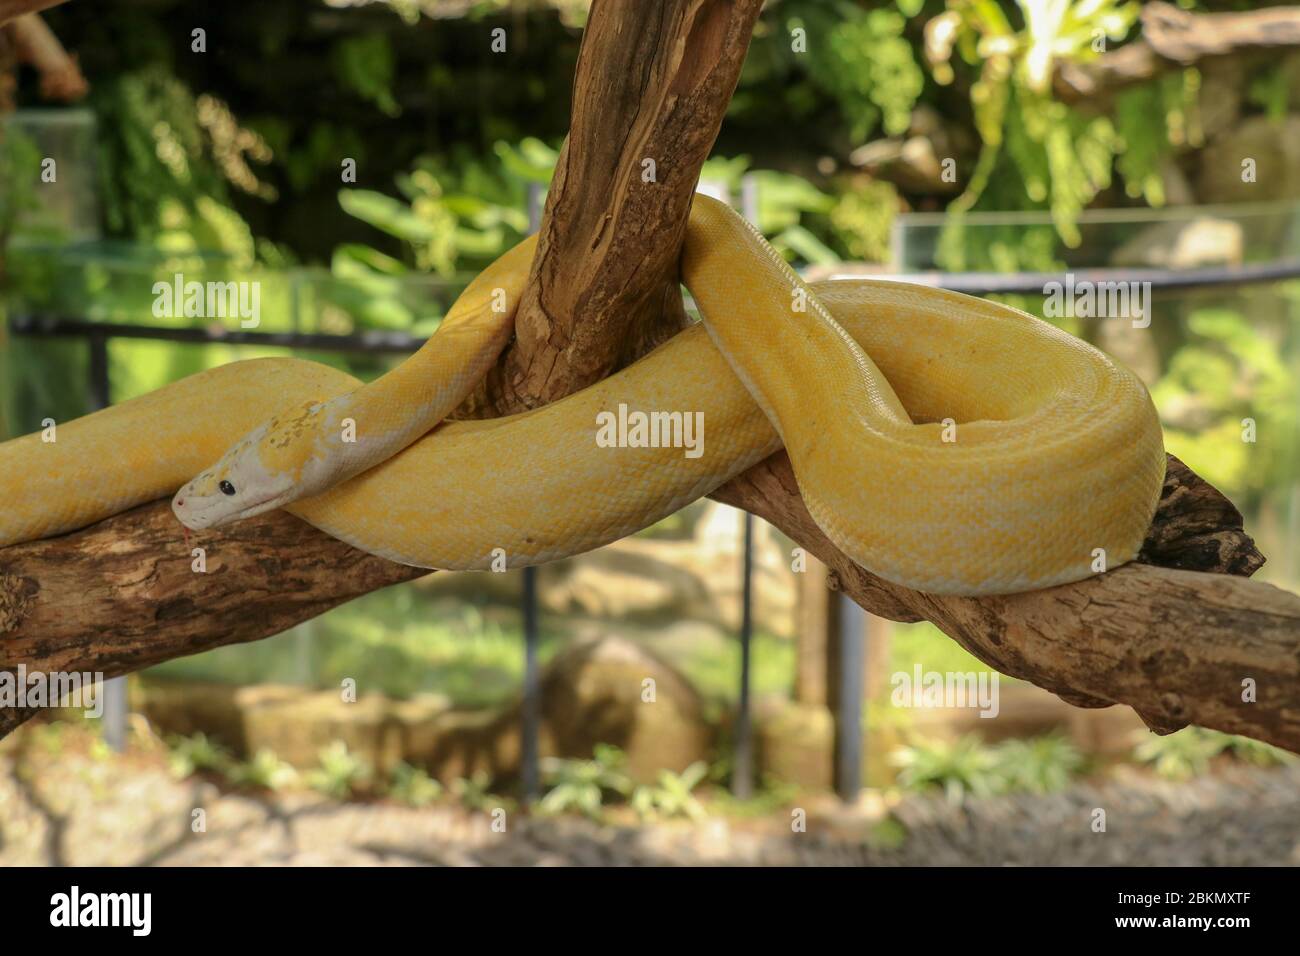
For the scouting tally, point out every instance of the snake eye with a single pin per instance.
(226, 488)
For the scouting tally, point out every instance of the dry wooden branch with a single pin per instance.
(1174, 38)
(123, 595)
(1172, 642)
(36, 44)
(652, 85)
(13, 9)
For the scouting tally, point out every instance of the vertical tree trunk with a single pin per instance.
(653, 83)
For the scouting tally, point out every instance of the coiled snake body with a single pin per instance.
(945, 443)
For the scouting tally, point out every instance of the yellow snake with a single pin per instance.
(945, 443)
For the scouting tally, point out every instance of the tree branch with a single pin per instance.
(35, 43)
(1173, 38)
(653, 82)
(13, 9)
(1172, 642)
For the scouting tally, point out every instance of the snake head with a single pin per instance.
(274, 465)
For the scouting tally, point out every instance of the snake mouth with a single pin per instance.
(213, 517)
(194, 520)
(255, 509)
(191, 521)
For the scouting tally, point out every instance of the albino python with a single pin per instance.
(945, 443)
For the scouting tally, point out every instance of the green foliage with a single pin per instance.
(924, 643)
(572, 12)
(1258, 753)
(1230, 370)
(858, 58)
(1009, 247)
(161, 182)
(1063, 158)
(1040, 764)
(317, 155)
(583, 785)
(365, 65)
(868, 66)
(671, 795)
(1145, 143)
(413, 786)
(772, 796)
(195, 754)
(474, 792)
(20, 169)
(20, 164)
(1270, 89)
(428, 233)
(265, 771)
(1190, 752)
(863, 217)
(458, 212)
(961, 768)
(784, 201)
(969, 767)
(1182, 755)
(340, 774)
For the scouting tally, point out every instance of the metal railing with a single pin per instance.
(1034, 283)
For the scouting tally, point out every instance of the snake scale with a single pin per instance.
(946, 443)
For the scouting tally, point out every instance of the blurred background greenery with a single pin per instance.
(904, 136)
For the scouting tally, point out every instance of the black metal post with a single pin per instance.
(531, 711)
(529, 755)
(114, 691)
(98, 387)
(742, 771)
(848, 717)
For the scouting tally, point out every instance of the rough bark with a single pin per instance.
(36, 44)
(1173, 38)
(13, 9)
(1172, 643)
(124, 594)
(652, 84)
